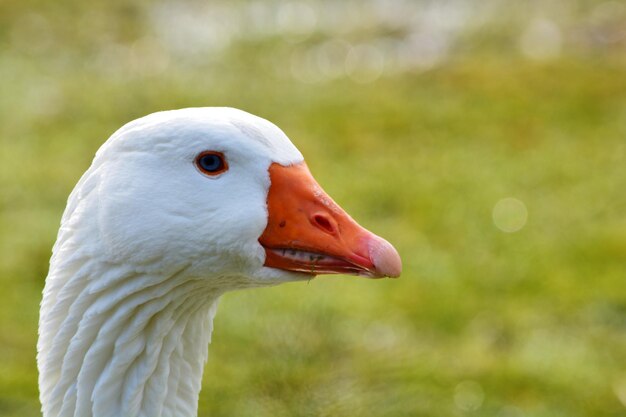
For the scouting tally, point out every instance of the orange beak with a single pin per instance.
(308, 232)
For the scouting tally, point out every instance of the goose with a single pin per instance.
(178, 208)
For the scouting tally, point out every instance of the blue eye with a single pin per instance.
(211, 163)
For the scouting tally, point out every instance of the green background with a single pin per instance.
(418, 118)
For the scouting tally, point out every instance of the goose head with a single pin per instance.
(177, 208)
(229, 194)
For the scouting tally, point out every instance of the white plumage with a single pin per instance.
(147, 245)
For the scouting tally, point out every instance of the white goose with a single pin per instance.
(177, 208)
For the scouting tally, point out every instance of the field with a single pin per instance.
(488, 144)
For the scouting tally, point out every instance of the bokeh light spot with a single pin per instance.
(296, 19)
(468, 396)
(541, 40)
(365, 63)
(619, 388)
(510, 215)
(331, 56)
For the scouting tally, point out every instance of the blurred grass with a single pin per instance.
(531, 323)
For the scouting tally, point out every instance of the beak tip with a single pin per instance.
(385, 258)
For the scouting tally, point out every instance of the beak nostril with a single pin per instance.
(324, 222)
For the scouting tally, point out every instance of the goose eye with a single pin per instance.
(211, 163)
